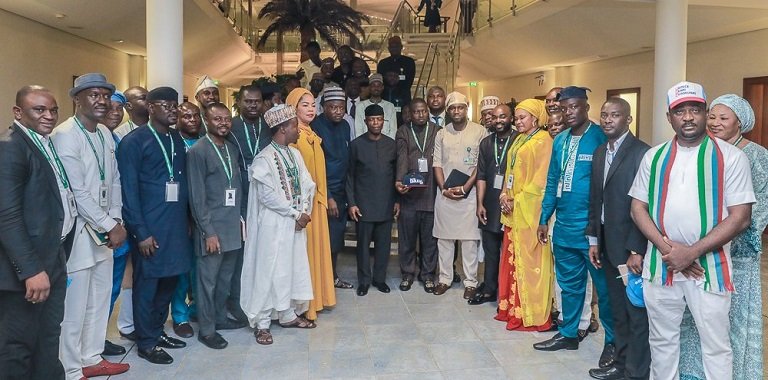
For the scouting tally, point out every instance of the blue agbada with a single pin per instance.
(144, 174)
(571, 170)
(336, 148)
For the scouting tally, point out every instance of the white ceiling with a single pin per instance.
(545, 35)
(567, 32)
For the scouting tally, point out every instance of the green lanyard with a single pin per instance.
(131, 125)
(62, 174)
(100, 163)
(567, 147)
(423, 145)
(228, 165)
(292, 169)
(517, 146)
(168, 161)
(253, 148)
(498, 157)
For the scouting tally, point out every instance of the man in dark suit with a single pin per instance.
(615, 240)
(37, 213)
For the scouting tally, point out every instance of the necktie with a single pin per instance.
(353, 108)
(436, 120)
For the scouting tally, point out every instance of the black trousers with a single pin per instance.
(151, 299)
(380, 233)
(630, 326)
(29, 334)
(412, 227)
(336, 229)
(492, 248)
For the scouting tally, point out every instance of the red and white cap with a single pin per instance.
(685, 92)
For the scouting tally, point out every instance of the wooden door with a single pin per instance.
(756, 93)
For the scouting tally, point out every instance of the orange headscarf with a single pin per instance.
(295, 96)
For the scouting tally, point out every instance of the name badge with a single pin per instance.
(585, 157)
(401, 76)
(171, 191)
(469, 159)
(398, 109)
(229, 197)
(72, 204)
(423, 166)
(103, 195)
(498, 179)
(559, 189)
(510, 182)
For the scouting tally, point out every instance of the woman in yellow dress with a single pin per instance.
(318, 240)
(525, 272)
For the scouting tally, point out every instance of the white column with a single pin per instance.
(165, 64)
(670, 60)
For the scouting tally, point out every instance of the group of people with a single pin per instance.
(232, 221)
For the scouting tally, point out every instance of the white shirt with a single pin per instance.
(83, 169)
(681, 218)
(69, 218)
(125, 128)
(390, 118)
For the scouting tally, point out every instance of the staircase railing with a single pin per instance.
(490, 11)
(403, 21)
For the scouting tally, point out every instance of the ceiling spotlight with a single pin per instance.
(118, 40)
(60, 15)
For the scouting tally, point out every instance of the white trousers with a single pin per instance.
(469, 260)
(665, 305)
(586, 312)
(125, 316)
(285, 316)
(86, 313)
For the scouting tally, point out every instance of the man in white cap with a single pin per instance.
(87, 152)
(487, 104)
(376, 88)
(276, 281)
(688, 261)
(455, 160)
(206, 93)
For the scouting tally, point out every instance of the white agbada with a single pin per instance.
(275, 266)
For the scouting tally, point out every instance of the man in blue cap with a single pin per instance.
(152, 162)
(567, 192)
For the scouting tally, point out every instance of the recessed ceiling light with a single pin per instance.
(118, 40)
(60, 15)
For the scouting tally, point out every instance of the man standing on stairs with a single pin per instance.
(376, 86)
(395, 93)
(404, 66)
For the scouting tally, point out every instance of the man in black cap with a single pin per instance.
(372, 199)
(37, 215)
(86, 149)
(567, 192)
(152, 162)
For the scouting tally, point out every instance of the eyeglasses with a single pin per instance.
(167, 106)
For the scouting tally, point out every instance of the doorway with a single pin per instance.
(756, 93)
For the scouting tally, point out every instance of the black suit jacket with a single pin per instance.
(31, 213)
(621, 234)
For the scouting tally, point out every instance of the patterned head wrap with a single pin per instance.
(740, 107)
(279, 114)
(536, 108)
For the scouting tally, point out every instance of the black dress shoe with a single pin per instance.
(608, 373)
(230, 324)
(556, 343)
(405, 285)
(183, 329)
(214, 341)
(608, 357)
(382, 286)
(481, 298)
(362, 290)
(167, 342)
(111, 349)
(429, 286)
(156, 355)
(130, 336)
(456, 278)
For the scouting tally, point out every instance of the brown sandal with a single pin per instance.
(299, 323)
(263, 336)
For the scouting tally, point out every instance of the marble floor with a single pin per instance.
(400, 335)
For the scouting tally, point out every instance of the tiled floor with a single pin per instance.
(400, 335)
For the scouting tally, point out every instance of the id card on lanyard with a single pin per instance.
(100, 162)
(422, 163)
(498, 179)
(58, 171)
(230, 193)
(171, 187)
